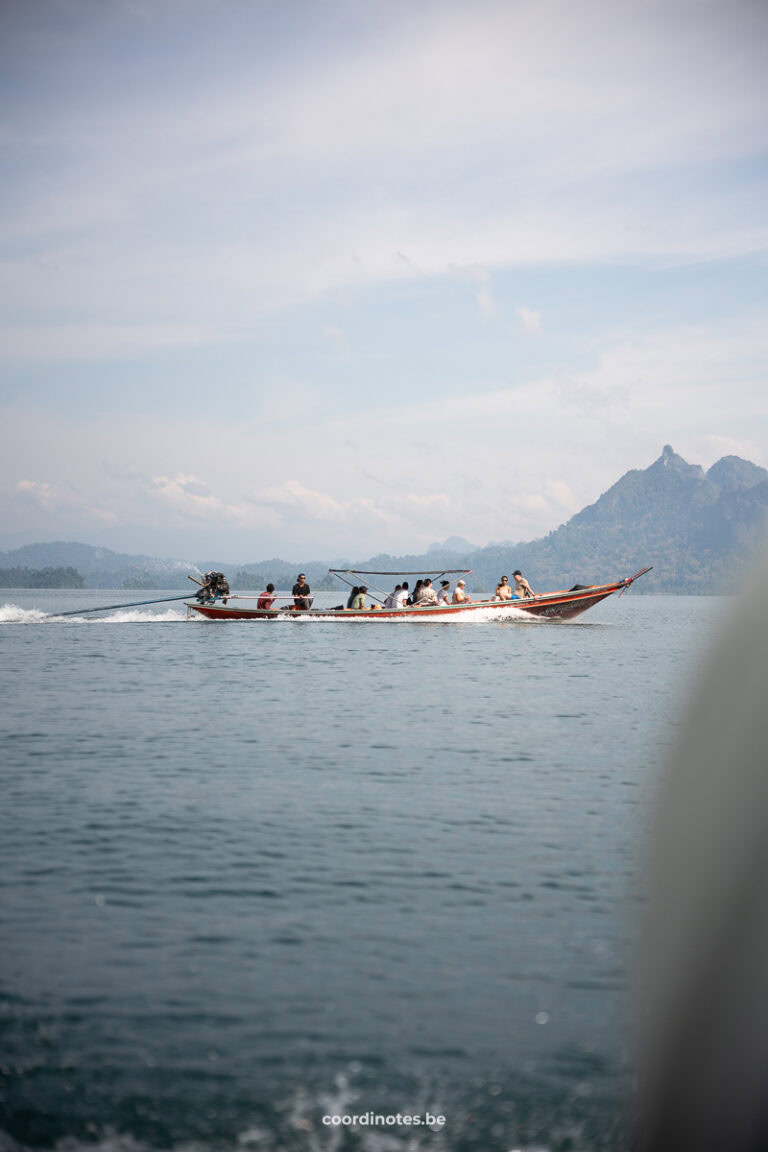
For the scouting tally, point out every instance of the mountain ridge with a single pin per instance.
(697, 528)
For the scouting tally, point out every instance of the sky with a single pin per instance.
(328, 279)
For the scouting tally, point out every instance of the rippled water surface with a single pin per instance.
(258, 873)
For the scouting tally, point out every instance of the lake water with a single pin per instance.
(259, 874)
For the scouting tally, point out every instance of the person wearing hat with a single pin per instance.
(300, 592)
(460, 594)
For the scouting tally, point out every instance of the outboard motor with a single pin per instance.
(215, 586)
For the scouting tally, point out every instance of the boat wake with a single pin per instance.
(133, 616)
(13, 614)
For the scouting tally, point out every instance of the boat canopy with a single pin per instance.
(401, 572)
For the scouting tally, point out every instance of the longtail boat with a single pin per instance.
(564, 605)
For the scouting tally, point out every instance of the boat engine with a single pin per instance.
(215, 585)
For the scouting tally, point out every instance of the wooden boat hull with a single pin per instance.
(552, 606)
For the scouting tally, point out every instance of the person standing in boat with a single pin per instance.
(300, 592)
(523, 589)
(267, 597)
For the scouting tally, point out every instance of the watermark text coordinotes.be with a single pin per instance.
(386, 1120)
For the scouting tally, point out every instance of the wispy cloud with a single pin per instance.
(189, 496)
(529, 318)
(84, 342)
(485, 300)
(336, 339)
(504, 462)
(61, 499)
(302, 503)
(389, 231)
(232, 193)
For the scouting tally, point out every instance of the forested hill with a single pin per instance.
(695, 527)
(100, 567)
(40, 578)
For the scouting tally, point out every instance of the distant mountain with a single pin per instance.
(696, 528)
(733, 472)
(454, 545)
(282, 573)
(100, 567)
(692, 526)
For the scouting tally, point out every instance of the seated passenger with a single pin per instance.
(267, 597)
(352, 595)
(503, 590)
(391, 600)
(402, 596)
(427, 594)
(460, 594)
(416, 596)
(358, 600)
(300, 592)
(444, 595)
(522, 588)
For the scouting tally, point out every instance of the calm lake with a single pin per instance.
(259, 874)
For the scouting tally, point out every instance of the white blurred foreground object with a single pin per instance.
(704, 1011)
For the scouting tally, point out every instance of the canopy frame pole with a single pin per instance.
(351, 585)
(421, 572)
(384, 594)
(361, 572)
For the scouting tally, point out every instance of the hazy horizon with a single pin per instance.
(344, 279)
(450, 543)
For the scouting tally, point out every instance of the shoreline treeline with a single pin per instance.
(41, 578)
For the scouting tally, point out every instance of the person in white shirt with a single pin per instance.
(402, 595)
(444, 596)
(391, 600)
(460, 595)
